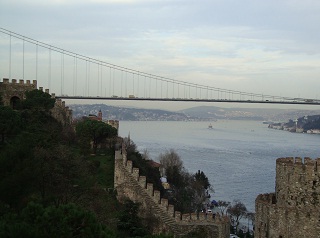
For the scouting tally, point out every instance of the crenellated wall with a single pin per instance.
(129, 184)
(61, 112)
(297, 181)
(14, 91)
(294, 209)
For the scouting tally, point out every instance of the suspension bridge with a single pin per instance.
(75, 76)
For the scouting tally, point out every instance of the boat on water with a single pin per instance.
(210, 126)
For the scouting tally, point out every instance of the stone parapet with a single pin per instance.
(293, 210)
(135, 173)
(167, 211)
(150, 189)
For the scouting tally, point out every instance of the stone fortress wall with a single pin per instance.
(127, 181)
(129, 184)
(294, 209)
(13, 91)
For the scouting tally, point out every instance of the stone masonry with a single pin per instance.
(13, 91)
(129, 184)
(294, 209)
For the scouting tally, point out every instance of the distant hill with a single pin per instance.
(206, 113)
(128, 114)
(263, 114)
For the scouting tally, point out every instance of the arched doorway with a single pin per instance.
(14, 101)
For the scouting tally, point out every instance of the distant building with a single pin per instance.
(113, 123)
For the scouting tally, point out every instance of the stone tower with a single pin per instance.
(15, 91)
(294, 209)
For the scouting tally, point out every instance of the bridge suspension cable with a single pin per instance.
(149, 82)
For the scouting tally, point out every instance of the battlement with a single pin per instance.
(163, 203)
(297, 161)
(61, 112)
(293, 210)
(297, 166)
(267, 198)
(297, 181)
(21, 82)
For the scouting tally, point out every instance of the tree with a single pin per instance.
(95, 132)
(189, 189)
(63, 221)
(222, 206)
(129, 222)
(251, 217)
(38, 100)
(201, 178)
(129, 145)
(10, 123)
(170, 162)
(237, 210)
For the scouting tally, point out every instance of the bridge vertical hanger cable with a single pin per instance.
(113, 81)
(172, 89)
(10, 57)
(133, 83)
(101, 80)
(73, 75)
(85, 85)
(89, 74)
(121, 82)
(144, 87)
(76, 76)
(126, 83)
(23, 59)
(37, 61)
(61, 71)
(149, 87)
(137, 85)
(49, 73)
(156, 93)
(110, 80)
(138, 88)
(98, 84)
(161, 88)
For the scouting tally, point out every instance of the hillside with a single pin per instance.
(204, 113)
(51, 183)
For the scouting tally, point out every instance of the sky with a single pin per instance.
(268, 47)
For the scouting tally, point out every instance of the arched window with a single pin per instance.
(14, 101)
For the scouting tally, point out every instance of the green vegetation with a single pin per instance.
(94, 131)
(145, 168)
(188, 191)
(51, 185)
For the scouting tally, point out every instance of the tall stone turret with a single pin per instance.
(293, 210)
(14, 91)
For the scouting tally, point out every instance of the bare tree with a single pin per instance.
(146, 155)
(170, 160)
(251, 217)
(236, 210)
(222, 206)
(129, 145)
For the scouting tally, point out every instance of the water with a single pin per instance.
(238, 157)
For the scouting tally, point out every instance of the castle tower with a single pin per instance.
(13, 92)
(100, 115)
(293, 210)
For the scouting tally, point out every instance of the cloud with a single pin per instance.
(231, 44)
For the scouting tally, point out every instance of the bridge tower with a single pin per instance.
(12, 92)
